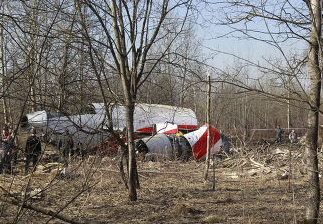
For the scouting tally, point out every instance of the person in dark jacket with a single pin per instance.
(32, 150)
(279, 132)
(65, 146)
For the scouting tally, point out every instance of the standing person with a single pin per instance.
(14, 141)
(279, 133)
(66, 145)
(80, 150)
(292, 136)
(5, 165)
(32, 150)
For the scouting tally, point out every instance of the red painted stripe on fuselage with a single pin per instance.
(200, 147)
(180, 127)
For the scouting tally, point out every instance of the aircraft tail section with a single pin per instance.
(198, 141)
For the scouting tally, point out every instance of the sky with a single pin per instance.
(214, 38)
(248, 49)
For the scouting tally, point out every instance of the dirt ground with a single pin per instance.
(260, 185)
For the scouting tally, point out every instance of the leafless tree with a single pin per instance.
(314, 57)
(130, 30)
(292, 23)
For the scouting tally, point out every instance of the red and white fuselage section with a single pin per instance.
(171, 145)
(198, 140)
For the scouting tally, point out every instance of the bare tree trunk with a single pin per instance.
(313, 204)
(31, 57)
(133, 181)
(63, 76)
(128, 80)
(3, 79)
(3, 75)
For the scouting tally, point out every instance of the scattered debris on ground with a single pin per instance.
(251, 186)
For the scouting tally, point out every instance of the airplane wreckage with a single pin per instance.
(165, 131)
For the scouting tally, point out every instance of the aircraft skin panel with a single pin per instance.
(216, 147)
(166, 128)
(145, 130)
(171, 145)
(86, 122)
(84, 125)
(187, 127)
(146, 115)
(38, 118)
(163, 113)
(198, 141)
(80, 127)
(172, 131)
(99, 107)
(180, 127)
(159, 145)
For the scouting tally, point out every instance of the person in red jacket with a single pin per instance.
(7, 142)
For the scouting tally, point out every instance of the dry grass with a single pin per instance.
(171, 191)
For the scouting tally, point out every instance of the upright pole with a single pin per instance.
(208, 103)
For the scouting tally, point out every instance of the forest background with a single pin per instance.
(256, 84)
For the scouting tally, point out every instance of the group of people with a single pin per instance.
(9, 150)
(32, 150)
(279, 133)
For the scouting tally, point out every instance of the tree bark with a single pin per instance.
(313, 203)
(132, 180)
(3, 79)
